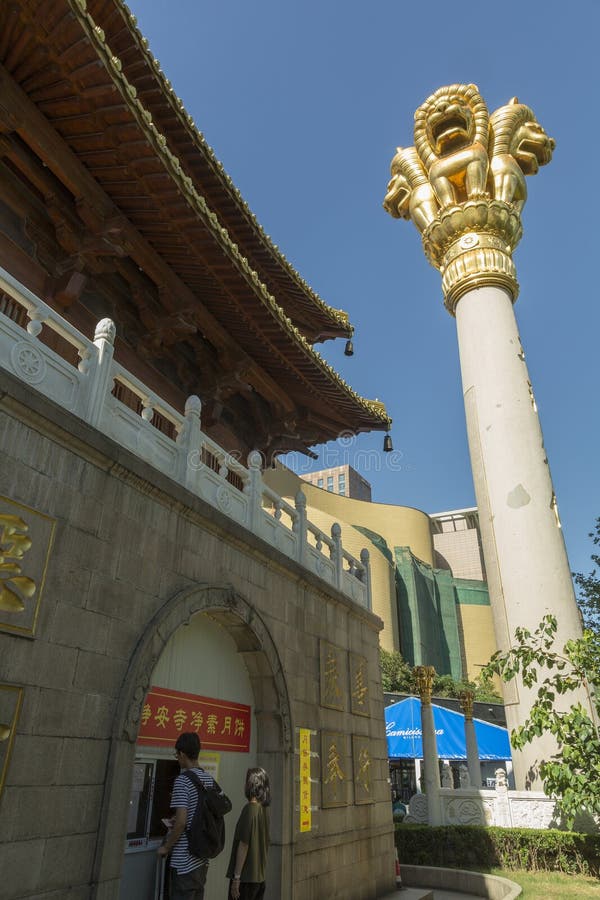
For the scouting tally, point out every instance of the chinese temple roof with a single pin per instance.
(139, 205)
(315, 319)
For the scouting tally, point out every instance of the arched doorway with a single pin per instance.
(208, 641)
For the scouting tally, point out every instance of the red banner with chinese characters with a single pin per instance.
(220, 724)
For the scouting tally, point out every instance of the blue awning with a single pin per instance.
(403, 730)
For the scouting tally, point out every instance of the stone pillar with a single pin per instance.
(526, 560)
(463, 185)
(424, 676)
(473, 764)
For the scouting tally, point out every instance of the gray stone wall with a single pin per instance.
(134, 556)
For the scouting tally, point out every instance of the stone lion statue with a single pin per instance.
(518, 147)
(447, 778)
(409, 193)
(501, 782)
(451, 140)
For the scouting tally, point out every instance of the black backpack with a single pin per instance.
(206, 834)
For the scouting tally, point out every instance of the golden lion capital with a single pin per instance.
(424, 676)
(463, 185)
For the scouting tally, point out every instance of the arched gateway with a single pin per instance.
(179, 649)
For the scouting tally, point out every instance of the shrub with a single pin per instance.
(480, 849)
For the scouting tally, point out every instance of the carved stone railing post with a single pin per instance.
(100, 371)
(254, 489)
(300, 526)
(189, 442)
(366, 576)
(502, 809)
(447, 777)
(424, 676)
(337, 553)
(466, 704)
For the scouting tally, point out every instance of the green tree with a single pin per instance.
(589, 588)
(397, 676)
(572, 774)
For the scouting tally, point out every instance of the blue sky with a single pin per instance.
(304, 103)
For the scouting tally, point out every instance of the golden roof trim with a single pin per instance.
(172, 164)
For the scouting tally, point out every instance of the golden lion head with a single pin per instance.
(453, 117)
(397, 199)
(450, 125)
(515, 131)
(532, 148)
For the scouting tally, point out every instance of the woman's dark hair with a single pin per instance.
(257, 786)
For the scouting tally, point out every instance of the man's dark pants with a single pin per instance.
(190, 886)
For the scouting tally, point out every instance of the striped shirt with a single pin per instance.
(185, 794)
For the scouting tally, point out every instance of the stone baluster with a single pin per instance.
(36, 317)
(146, 434)
(466, 704)
(424, 677)
(300, 526)
(189, 443)
(254, 490)
(100, 372)
(148, 409)
(366, 576)
(337, 554)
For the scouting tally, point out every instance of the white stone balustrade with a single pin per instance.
(156, 432)
(469, 806)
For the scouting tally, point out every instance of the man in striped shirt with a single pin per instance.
(188, 873)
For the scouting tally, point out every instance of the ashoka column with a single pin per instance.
(463, 185)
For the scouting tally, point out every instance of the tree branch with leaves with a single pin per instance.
(572, 774)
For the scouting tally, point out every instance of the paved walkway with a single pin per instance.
(418, 893)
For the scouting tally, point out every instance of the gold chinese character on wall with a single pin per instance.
(359, 684)
(336, 769)
(362, 769)
(25, 542)
(333, 676)
(11, 697)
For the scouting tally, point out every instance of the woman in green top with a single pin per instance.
(248, 863)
